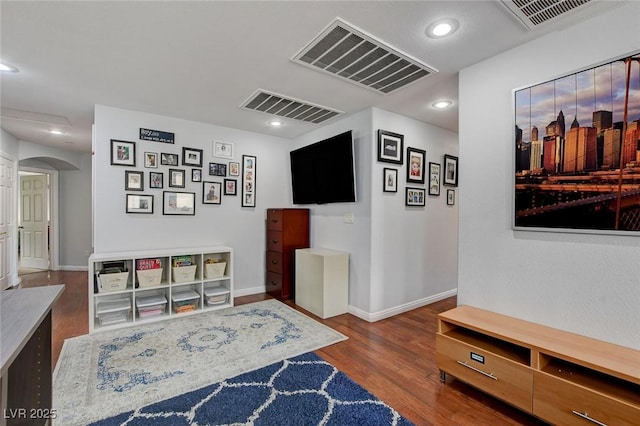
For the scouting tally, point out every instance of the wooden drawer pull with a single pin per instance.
(477, 370)
(274, 283)
(274, 241)
(274, 220)
(586, 417)
(274, 262)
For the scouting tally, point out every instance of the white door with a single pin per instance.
(7, 223)
(34, 220)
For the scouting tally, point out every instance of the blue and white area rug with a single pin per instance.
(305, 390)
(106, 373)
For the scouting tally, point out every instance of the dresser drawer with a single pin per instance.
(274, 282)
(274, 219)
(274, 240)
(503, 378)
(274, 262)
(564, 403)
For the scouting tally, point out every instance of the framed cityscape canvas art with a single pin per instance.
(577, 151)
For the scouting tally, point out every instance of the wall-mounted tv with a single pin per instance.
(324, 172)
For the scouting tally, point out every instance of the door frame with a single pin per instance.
(12, 269)
(54, 260)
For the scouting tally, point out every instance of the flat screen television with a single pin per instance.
(324, 172)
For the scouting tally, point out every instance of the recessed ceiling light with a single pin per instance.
(442, 104)
(275, 123)
(55, 132)
(7, 68)
(442, 27)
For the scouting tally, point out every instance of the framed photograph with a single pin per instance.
(123, 153)
(434, 178)
(176, 178)
(138, 203)
(178, 203)
(451, 197)
(230, 187)
(156, 180)
(574, 157)
(191, 157)
(249, 180)
(222, 149)
(414, 197)
(415, 165)
(167, 159)
(133, 181)
(211, 192)
(390, 180)
(450, 170)
(217, 169)
(234, 168)
(151, 160)
(390, 147)
(196, 175)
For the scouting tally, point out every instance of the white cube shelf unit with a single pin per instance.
(107, 294)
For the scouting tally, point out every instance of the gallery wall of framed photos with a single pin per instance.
(213, 173)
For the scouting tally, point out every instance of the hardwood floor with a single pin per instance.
(394, 358)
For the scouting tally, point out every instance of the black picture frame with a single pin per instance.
(217, 169)
(123, 153)
(414, 197)
(390, 147)
(178, 203)
(249, 168)
(451, 197)
(196, 175)
(450, 170)
(230, 187)
(434, 178)
(151, 160)
(176, 178)
(415, 165)
(211, 192)
(133, 180)
(389, 180)
(156, 180)
(191, 157)
(139, 204)
(168, 159)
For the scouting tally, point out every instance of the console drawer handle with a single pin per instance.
(274, 220)
(477, 370)
(586, 417)
(274, 262)
(274, 241)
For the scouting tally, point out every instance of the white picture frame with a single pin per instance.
(222, 149)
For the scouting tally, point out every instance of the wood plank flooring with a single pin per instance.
(393, 358)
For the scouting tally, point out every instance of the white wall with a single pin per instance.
(8, 144)
(400, 257)
(413, 249)
(587, 284)
(241, 228)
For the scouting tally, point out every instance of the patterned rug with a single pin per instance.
(106, 373)
(305, 390)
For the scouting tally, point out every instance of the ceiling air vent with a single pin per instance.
(283, 106)
(533, 13)
(347, 52)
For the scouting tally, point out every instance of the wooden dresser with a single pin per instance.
(560, 377)
(287, 230)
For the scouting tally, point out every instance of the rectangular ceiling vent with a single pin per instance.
(283, 106)
(349, 53)
(532, 13)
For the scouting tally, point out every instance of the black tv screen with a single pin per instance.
(324, 172)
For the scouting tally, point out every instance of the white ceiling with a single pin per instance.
(201, 60)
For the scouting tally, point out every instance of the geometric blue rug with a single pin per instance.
(304, 390)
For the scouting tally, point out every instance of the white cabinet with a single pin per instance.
(322, 281)
(151, 285)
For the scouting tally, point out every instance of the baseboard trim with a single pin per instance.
(73, 268)
(249, 291)
(387, 313)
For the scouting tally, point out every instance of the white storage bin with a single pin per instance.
(216, 295)
(214, 270)
(153, 305)
(184, 274)
(149, 277)
(112, 282)
(185, 301)
(113, 311)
